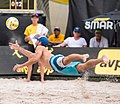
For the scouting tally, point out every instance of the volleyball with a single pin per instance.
(12, 23)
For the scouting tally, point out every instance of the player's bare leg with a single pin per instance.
(92, 63)
(75, 57)
(29, 73)
(41, 71)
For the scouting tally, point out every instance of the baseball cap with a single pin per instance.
(35, 15)
(76, 29)
(98, 31)
(56, 29)
(43, 40)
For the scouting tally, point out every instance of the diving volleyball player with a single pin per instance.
(62, 64)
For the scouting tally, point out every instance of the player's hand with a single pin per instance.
(14, 46)
(16, 67)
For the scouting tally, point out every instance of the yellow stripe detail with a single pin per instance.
(101, 19)
(62, 1)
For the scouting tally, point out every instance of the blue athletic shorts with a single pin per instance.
(57, 65)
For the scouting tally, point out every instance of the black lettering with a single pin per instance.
(103, 65)
(111, 63)
(117, 64)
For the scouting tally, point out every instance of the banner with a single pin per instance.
(8, 58)
(113, 67)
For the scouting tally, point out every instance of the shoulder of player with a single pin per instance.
(40, 48)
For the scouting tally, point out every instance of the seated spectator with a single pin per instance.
(98, 40)
(75, 41)
(57, 37)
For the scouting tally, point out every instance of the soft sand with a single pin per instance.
(18, 91)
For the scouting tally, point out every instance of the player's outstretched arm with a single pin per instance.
(16, 46)
(31, 61)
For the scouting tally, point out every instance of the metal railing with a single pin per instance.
(19, 5)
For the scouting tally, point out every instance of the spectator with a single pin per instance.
(98, 40)
(75, 41)
(57, 37)
(34, 29)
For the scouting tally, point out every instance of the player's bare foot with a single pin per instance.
(42, 80)
(85, 56)
(27, 80)
(105, 59)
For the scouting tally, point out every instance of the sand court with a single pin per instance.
(17, 91)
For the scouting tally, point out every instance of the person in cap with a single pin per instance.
(35, 29)
(75, 41)
(69, 65)
(57, 37)
(98, 40)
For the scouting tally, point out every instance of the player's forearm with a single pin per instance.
(25, 52)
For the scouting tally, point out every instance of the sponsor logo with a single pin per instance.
(25, 70)
(17, 54)
(113, 67)
(12, 23)
(101, 23)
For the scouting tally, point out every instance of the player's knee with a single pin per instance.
(65, 61)
(80, 68)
